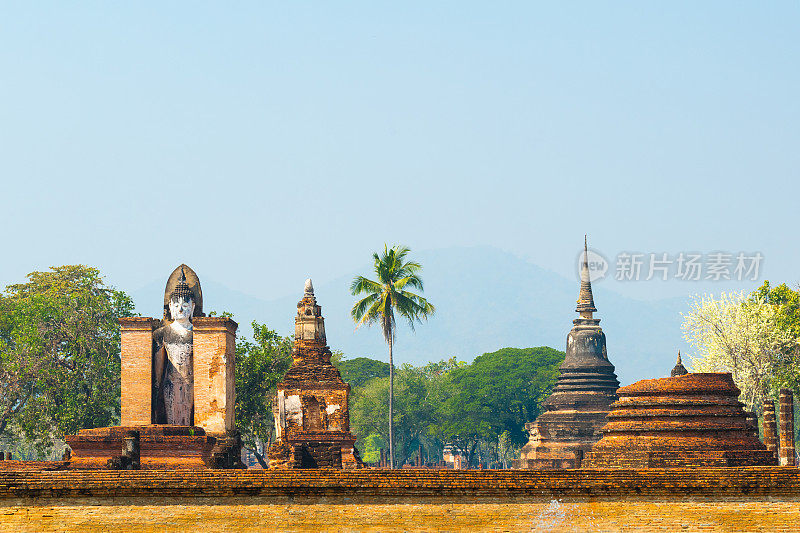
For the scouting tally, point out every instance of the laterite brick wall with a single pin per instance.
(385, 485)
(701, 499)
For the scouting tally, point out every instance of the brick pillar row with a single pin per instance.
(786, 408)
(770, 427)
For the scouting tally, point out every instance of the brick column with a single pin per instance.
(137, 369)
(770, 427)
(214, 353)
(786, 407)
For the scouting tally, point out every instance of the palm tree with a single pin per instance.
(386, 297)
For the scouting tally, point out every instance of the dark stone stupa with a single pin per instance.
(575, 413)
(678, 369)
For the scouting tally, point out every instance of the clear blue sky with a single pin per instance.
(264, 142)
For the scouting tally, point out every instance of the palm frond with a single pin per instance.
(408, 269)
(413, 281)
(412, 307)
(360, 308)
(361, 285)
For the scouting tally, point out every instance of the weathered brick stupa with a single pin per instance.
(178, 390)
(685, 420)
(575, 412)
(312, 420)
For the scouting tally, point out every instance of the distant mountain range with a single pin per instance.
(485, 299)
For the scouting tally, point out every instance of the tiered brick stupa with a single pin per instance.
(312, 420)
(575, 412)
(680, 421)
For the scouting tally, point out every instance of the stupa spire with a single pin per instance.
(309, 326)
(678, 369)
(585, 299)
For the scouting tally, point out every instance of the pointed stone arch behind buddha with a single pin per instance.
(194, 285)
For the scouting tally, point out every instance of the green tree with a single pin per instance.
(358, 371)
(370, 448)
(369, 413)
(741, 335)
(60, 354)
(496, 394)
(786, 304)
(260, 365)
(385, 298)
(507, 451)
(415, 414)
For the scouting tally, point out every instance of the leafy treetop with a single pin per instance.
(358, 371)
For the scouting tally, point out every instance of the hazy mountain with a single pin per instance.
(485, 299)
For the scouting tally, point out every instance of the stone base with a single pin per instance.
(553, 456)
(329, 449)
(227, 451)
(161, 447)
(560, 439)
(678, 458)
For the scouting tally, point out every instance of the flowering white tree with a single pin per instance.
(737, 334)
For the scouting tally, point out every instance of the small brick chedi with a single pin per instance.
(689, 419)
(312, 420)
(178, 390)
(575, 412)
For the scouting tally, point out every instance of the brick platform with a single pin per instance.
(162, 447)
(399, 485)
(260, 514)
(751, 499)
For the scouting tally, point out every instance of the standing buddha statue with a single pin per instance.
(173, 375)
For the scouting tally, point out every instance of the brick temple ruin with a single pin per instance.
(575, 412)
(686, 420)
(178, 390)
(312, 419)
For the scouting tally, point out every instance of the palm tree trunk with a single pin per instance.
(391, 407)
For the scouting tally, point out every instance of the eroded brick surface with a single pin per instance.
(686, 420)
(137, 360)
(214, 383)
